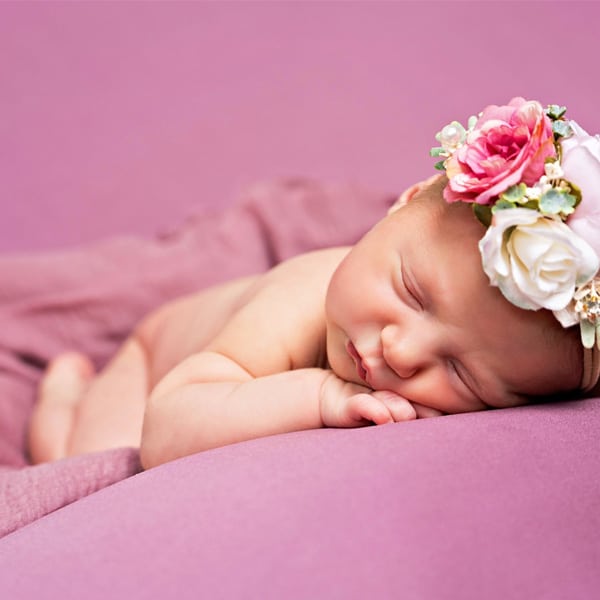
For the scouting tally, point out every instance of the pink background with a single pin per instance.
(127, 117)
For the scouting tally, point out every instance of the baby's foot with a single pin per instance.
(62, 386)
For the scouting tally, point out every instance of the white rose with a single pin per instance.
(581, 164)
(538, 262)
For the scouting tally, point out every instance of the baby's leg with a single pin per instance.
(108, 413)
(111, 412)
(60, 390)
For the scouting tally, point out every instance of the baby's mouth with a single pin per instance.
(360, 368)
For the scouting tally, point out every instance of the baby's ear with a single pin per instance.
(407, 195)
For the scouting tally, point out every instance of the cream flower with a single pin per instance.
(536, 261)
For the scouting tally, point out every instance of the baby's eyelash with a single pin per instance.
(454, 369)
(457, 372)
(410, 289)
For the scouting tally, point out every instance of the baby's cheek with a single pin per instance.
(339, 362)
(510, 401)
(425, 412)
(449, 403)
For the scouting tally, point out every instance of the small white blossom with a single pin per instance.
(553, 170)
(587, 303)
(452, 136)
(538, 189)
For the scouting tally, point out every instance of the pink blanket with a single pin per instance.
(89, 299)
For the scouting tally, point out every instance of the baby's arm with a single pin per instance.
(209, 401)
(260, 375)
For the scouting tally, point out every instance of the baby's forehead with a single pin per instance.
(435, 223)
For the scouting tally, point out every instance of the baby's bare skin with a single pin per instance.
(110, 411)
(200, 321)
(186, 325)
(402, 325)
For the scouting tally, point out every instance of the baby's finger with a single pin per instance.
(424, 412)
(400, 408)
(365, 408)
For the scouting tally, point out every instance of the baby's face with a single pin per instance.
(410, 310)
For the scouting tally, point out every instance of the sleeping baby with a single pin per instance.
(476, 291)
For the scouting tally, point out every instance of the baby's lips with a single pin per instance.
(358, 361)
(376, 368)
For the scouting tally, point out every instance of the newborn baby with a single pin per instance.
(403, 325)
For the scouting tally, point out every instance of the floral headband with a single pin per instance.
(533, 179)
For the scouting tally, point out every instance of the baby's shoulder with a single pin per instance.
(291, 294)
(316, 266)
(279, 322)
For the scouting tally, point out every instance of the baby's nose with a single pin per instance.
(405, 350)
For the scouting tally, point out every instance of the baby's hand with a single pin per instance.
(345, 404)
(377, 407)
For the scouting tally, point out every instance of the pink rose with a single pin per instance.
(508, 145)
(581, 165)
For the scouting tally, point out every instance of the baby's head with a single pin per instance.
(412, 310)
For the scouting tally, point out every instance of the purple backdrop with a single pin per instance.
(125, 117)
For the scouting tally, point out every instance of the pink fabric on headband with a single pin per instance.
(581, 165)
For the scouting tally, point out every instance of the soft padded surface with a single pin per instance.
(89, 299)
(502, 504)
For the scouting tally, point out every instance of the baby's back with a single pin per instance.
(187, 325)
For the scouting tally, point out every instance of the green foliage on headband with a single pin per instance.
(588, 333)
(483, 212)
(502, 204)
(554, 111)
(514, 194)
(514, 197)
(557, 202)
(561, 129)
(575, 191)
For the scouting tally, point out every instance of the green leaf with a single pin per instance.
(556, 202)
(502, 204)
(530, 204)
(515, 193)
(483, 212)
(561, 129)
(554, 111)
(437, 151)
(588, 333)
(576, 192)
(440, 165)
